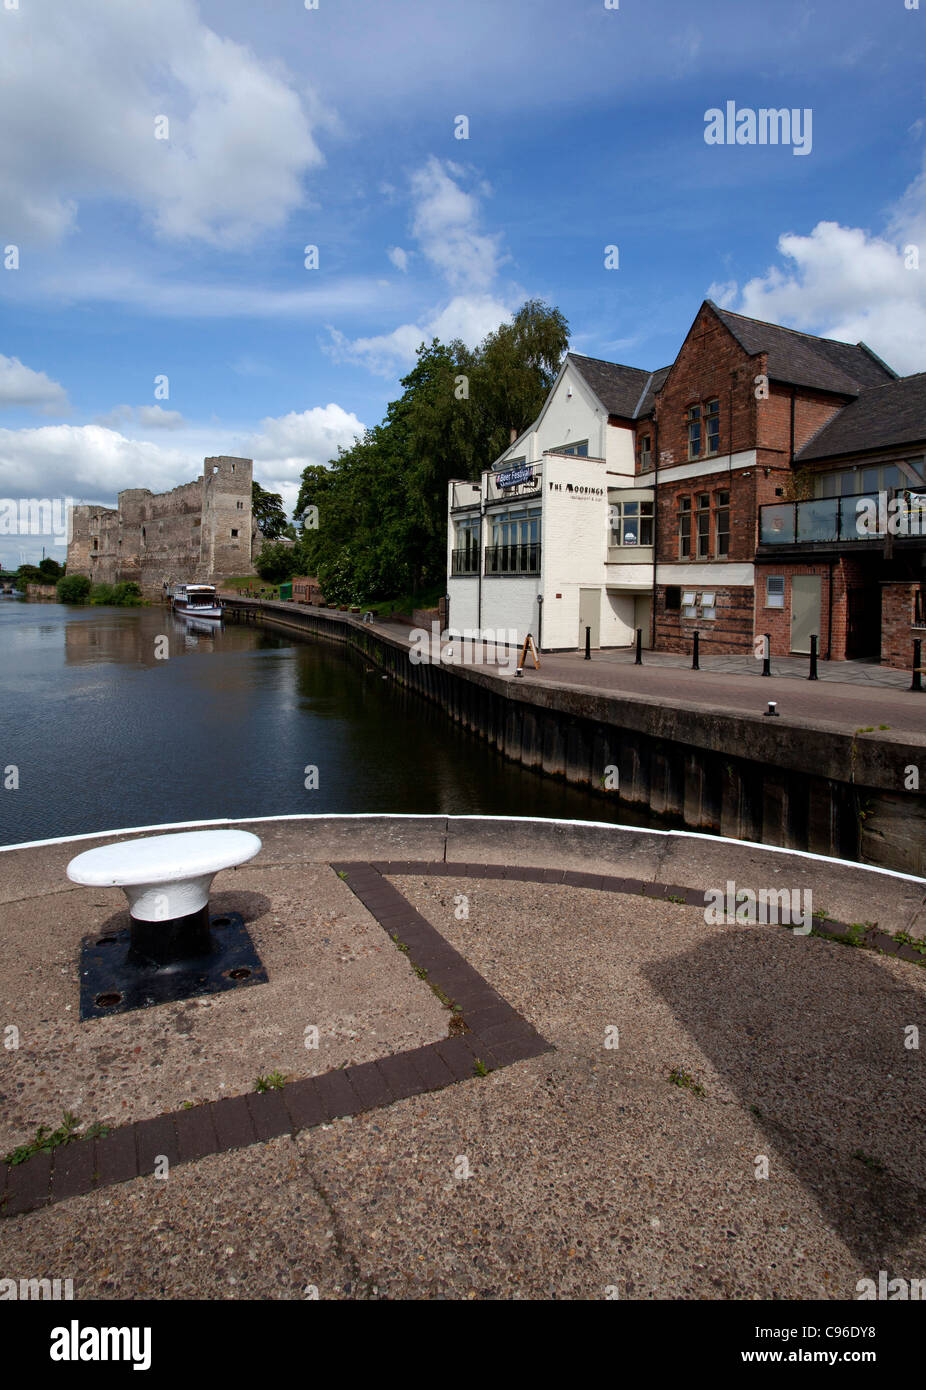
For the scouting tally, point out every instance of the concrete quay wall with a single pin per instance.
(800, 786)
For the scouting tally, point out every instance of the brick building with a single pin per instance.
(721, 494)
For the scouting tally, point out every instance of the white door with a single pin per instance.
(589, 616)
(805, 610)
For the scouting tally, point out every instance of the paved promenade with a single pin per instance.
(540, 1073)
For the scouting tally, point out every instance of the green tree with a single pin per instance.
(277, 563)
(382, 503)
(73, 588)
(51, 570)
(268, 511)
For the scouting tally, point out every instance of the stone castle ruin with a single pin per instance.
(202, 532)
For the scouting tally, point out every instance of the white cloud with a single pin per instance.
(80, 89)
(446, 225)
(847, 283)
(93, 463)
(398, 257)
(22, 386)
(152, 417)
(469, 317)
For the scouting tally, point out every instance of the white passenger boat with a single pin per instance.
(196, 600)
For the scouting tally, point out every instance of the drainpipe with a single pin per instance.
(829, 618)
(482, 551)
(652, 616)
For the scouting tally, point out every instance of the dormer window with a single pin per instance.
(645, 453)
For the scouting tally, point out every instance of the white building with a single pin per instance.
(557, 536)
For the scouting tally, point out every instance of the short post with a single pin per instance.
(813, 657)
(917, 682)
(588, 643)
(639, 657)
(694, 651)
(767, 660)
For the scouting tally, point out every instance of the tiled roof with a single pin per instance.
(881, 418)
(618, 388)
(800, 359)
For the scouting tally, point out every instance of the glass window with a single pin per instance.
(890, 476)
(631, 523)
(645, 453)
(694, 431)
(713, 426)
(684, 528)
(689, 604)
(722, 522)
(775, 591)
(704, 525)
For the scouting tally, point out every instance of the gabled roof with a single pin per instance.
(884, 417)
(619, 389)
(648, 398)
(800, 359)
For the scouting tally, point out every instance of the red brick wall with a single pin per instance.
(742, 489)
(710, 364)
(730, 631)
(848, 573)
(897, 630)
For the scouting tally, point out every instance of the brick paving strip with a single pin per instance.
(496, 1035)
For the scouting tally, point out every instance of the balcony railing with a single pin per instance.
(818, 520)
(465, 561)
(513, 559)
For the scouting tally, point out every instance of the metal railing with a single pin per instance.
(822, 519)
(513, 559)
(465, 561)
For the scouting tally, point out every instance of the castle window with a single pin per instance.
(234, 532)
(240, 506)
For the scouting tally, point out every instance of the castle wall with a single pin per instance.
(198, 531)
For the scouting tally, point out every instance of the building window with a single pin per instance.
(234, 533)
(96, 545)
(708, 606)
(684, 528)
(713, 427)
(240, 506)
(673, 598)
(704, 525)
(515, 547)
(722, 523)
(689, 604)
(578, 450)
(694, 431)
(465, 557)
(775, 591)
(631, 523)
(645, 453)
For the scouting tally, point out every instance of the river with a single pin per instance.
(115, 717)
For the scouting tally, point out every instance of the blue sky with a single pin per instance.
(141, 257)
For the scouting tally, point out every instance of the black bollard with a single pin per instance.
(767, 662)
(813, 657)
(639, 657)
(917, 682)
(588, 643)
(696, 641)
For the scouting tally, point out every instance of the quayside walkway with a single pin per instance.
(539, 1073)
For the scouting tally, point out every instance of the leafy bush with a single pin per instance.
(73, 588)
(127, 595)
(102, 594)
(276, 563)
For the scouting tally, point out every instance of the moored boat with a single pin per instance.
(196, 600)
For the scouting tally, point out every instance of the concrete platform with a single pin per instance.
(592, 1166)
